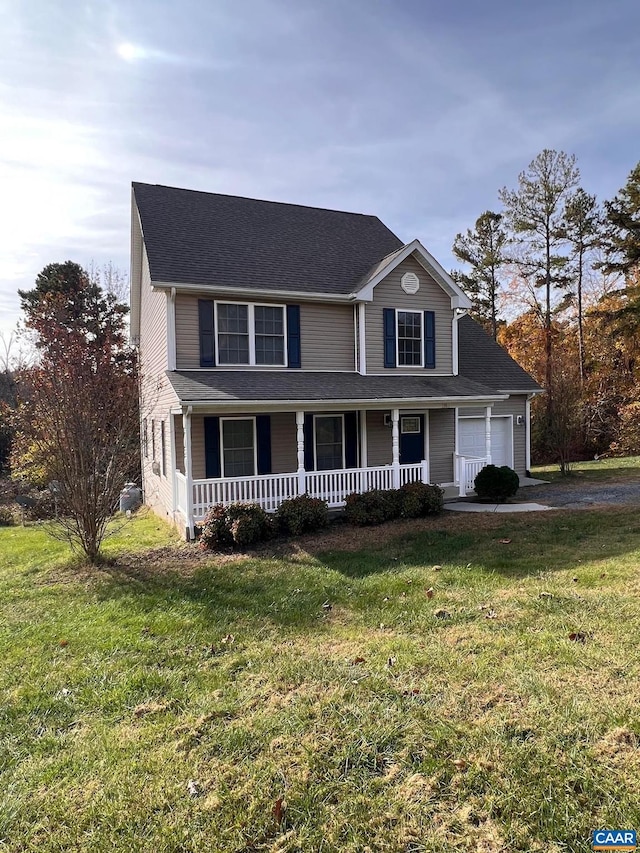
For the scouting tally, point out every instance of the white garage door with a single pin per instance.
(471, 439)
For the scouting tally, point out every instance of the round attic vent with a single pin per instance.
(410, 282)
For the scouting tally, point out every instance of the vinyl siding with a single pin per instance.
(326, 335)
(430, 297)
(441, 445)
(379, 449)
(157, 395)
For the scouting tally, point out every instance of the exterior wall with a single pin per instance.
(157, 396)
(441, 445)
(430, 297)
(326, 335)
(379, 449)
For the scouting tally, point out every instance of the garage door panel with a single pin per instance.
(471, 439)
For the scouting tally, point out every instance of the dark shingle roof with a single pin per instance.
(211, 239)
(291, 385)
(483, 360)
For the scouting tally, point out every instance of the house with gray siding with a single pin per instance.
(287, 350)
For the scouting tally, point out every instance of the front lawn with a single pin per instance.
(611, 469)
(317, 698)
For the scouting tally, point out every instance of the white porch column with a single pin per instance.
(364, 452)
(300, 439)
(395, 446)
(188, 468)
(487, 433)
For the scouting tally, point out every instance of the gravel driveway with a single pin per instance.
(581, 495)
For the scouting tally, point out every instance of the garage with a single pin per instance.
(471, 439)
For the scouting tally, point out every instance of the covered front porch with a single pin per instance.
(268, 457)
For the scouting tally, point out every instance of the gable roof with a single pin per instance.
(211, 239)
(482, 360)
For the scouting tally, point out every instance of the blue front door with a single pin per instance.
(411, 439)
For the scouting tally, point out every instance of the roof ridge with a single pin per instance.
(261, 201)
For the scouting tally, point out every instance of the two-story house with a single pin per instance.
(288, 350)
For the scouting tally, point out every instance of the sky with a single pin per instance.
(413, 110)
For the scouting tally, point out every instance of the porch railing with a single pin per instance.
(270, 490)
(467, 468)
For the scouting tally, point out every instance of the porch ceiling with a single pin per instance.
(240, 387)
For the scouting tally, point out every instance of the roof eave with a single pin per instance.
(374, 403)
(191, 288)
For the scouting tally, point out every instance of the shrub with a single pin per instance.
(420, 499)
(498, 484)
(303, 514)
(373, 507)
(215, 532)
(7, 516)
(248, 523)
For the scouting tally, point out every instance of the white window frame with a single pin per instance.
(251, 323)
(255, 446)
(404, 431)
(315, 443)
(410, 311)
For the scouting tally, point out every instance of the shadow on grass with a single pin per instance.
(290, 583)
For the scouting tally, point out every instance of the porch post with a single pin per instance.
(172, 463)
(395, 446)
(364, 452)
(188, 470)
(487, 433)
(300, 439)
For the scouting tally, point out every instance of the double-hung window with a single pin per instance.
(238, 440)
(409, 338)
(329, 442)
(250, 334)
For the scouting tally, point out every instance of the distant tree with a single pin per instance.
(623, 220)
(583, 230)
(78, 419)
(534, 214)
(482, 249)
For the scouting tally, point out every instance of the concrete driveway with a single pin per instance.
(580, 495)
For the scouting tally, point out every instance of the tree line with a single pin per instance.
(554, 276)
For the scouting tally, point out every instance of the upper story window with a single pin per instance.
(409, 338)
(250, 334)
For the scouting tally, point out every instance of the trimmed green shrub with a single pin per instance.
(248, 523)
(420, 499)
(215, 533)
(373, 507)
(303, 514)
(496, 484)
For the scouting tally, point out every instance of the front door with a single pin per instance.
(411, 439)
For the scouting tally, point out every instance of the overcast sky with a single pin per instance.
(414, 110)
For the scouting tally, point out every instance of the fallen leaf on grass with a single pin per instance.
(228, 640)
(415, 691)
(437, 568)
(327, 605)
(460, 764)
(193, 788)
(63, 644)
(504, 541)
(358, 660)
(491, 614)
(430, 592)
(278, 810)
(546, 595)
(391, 661)
(578, 636)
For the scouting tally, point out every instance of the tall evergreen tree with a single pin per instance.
(623, 233)
(482, 249)
(534, 213)
(583, 230)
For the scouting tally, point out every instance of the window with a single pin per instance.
(410, 425)
(409, 337)
(250, 334)
(238, 447)
(163, 450)
(329, 442)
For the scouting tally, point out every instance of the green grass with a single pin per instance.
(120, 685)
(610, 469)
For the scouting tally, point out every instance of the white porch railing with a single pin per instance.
(467, 468)
(270, 490)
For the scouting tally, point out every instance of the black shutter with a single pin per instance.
(212, 447)
(429, 339)
(207, 334)
(351, 439)
(294, 356)
(263, 432)
(389, 337)
(308, 443)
